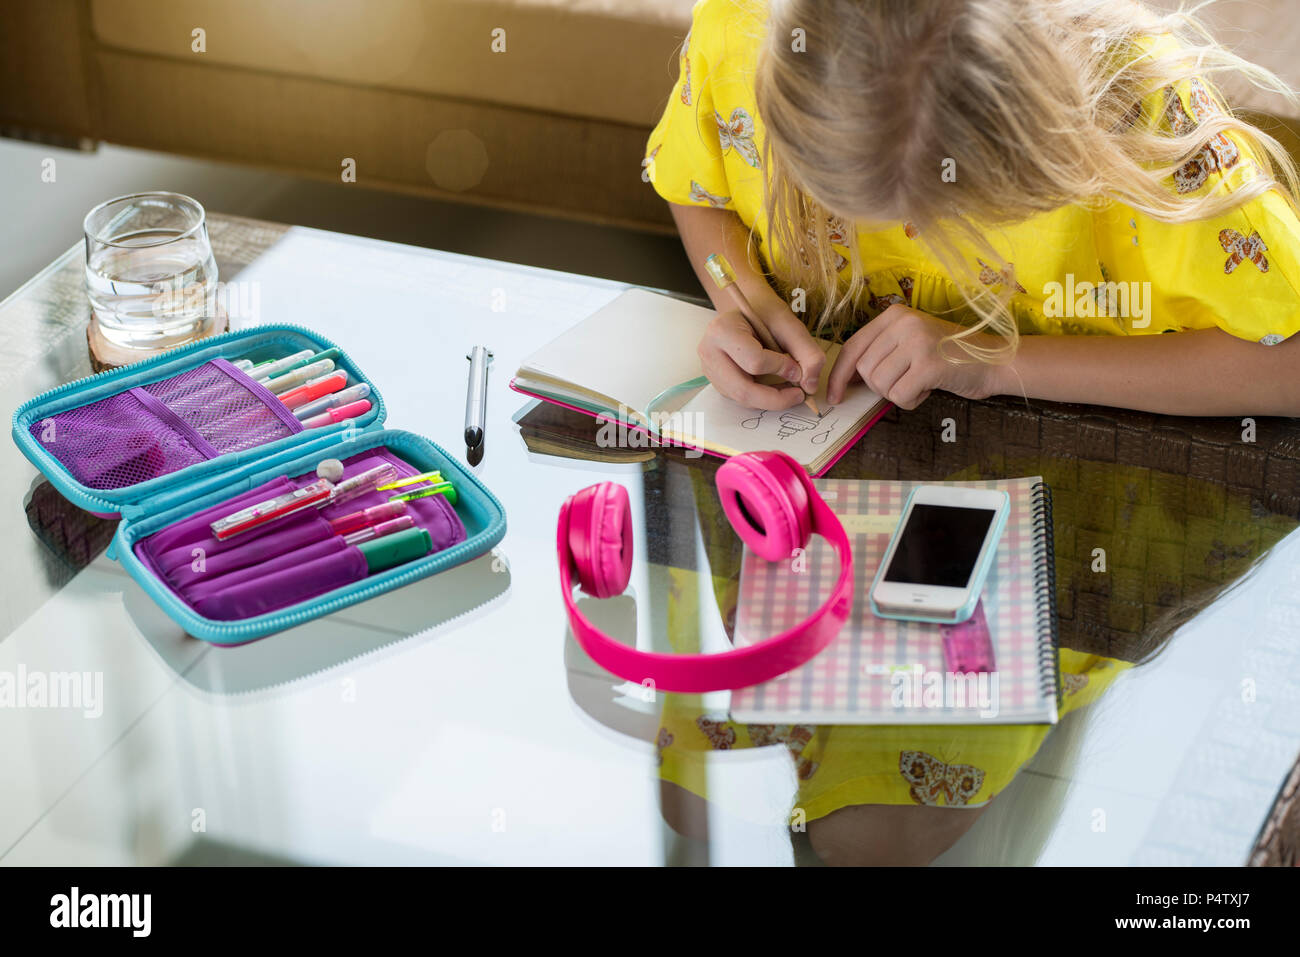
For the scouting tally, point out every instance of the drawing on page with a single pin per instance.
(754, 421)
(800, 420)
(819, 438)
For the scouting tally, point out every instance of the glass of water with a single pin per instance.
(150, 274)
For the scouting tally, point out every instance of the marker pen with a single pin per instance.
(363, 482)
(392, 550)
(371, 532)
(317, 493)
(330, 416)
(315, 389)
(351, 394)
(412, 480)
(303, 360)
(442, 488)
(291, 380)
(373, 515)
(267, 369)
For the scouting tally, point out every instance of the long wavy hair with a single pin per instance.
(1033, 105)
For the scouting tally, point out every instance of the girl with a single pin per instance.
(1018, 194)
(929, 181)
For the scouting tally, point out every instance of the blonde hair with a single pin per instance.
(1037, 104)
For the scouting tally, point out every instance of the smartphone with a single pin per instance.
(940, 554)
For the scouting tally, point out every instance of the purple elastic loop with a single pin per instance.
(176, 422)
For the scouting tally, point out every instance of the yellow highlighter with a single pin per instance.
(411, 480)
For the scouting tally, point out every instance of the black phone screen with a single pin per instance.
(939, 545)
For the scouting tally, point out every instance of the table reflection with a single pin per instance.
(1149, 533)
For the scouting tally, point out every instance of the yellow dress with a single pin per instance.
(956, 766)
(1238, 271)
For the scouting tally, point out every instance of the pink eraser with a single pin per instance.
(968, 646)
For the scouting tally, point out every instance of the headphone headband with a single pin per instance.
(773, 506)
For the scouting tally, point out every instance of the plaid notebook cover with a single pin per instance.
(869, 673)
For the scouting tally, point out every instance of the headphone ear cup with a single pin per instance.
(766, 499)
(600, 539)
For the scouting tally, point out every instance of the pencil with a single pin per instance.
(720, 270)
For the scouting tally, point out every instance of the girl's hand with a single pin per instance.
(897, 355)
(733, 357)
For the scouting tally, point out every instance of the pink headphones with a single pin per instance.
(772, 505)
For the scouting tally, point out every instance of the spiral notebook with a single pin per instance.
(882, 671)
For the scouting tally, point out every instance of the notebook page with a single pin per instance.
(729, 427)
(631, 350)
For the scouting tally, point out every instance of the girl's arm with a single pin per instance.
(1202, 372)
(706, 231)
(731, 355)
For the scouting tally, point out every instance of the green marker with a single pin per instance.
(390, 551)
(305, 359)
(441, 488)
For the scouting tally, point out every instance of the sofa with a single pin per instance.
(412, 92)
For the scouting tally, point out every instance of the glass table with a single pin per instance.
(456, 721)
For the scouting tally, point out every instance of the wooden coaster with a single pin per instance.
(105, 355)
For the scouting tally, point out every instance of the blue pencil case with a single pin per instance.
(172, 442)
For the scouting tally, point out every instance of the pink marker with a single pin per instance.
(374, 515)
(398, 524)
(330, 416)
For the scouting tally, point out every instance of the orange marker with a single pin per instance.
(314, 389)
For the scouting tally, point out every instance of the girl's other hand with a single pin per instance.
(733, 357)
(897, 355)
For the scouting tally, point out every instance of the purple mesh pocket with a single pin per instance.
(115, 442)
(163, 427)
(227, 409)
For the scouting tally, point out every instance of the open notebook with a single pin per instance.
(882, 671)
(627, 361)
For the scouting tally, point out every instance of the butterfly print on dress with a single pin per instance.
(881, 303)
(664, 739)
(836, 232)
(648, 165)
(1219, 152)
(931, 779)
(701, 195)
(794, 736)
(721, 737)
(738, 134)
(686, 70)
(1241, 249)
(992, 277)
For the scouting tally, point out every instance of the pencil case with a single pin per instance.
(169, 443)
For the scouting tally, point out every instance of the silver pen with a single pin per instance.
(476, 397)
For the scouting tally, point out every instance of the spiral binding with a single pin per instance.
(1044, 552)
